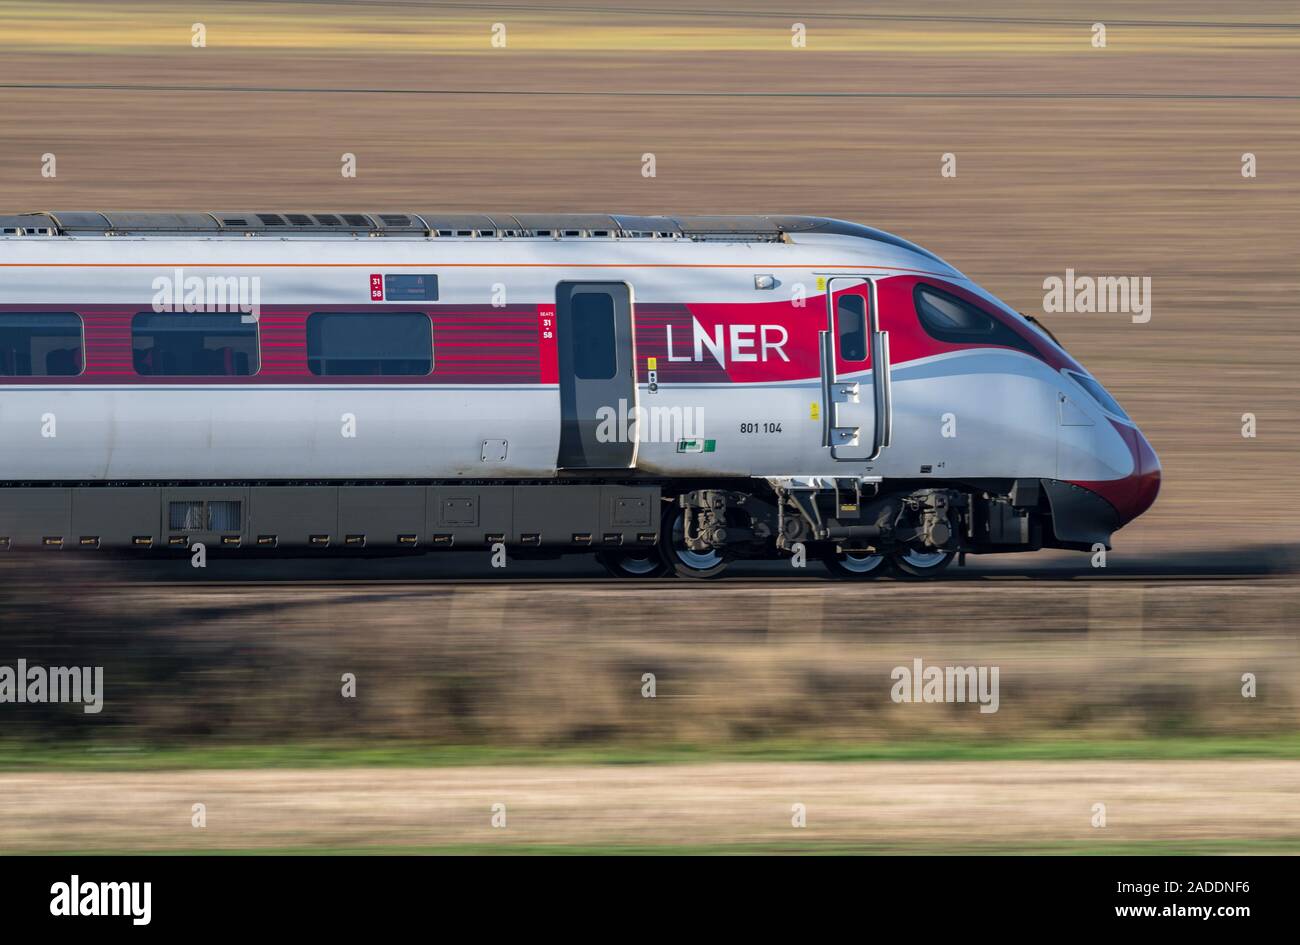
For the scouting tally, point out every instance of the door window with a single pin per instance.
(594, 357)
(851, 327)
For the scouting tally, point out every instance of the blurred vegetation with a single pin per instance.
(27, 756)
(252, 676)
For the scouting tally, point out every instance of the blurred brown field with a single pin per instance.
(1136, 186)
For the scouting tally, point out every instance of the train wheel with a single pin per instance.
(922, 564)
(855, 565)
(682, 560)
(632, 564)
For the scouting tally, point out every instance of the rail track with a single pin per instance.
(451, 569)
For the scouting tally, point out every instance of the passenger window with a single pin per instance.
(374, 345)
(40, 344)
(948, 318)
(177, 344)
(851, 324)
(594, 355)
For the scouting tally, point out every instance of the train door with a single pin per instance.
(597, 383)
(855, 425)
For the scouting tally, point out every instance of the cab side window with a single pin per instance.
(945, 316)
(948, 318)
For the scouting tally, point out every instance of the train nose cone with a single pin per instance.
(1145, 478)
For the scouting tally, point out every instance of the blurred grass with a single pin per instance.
(20, 756)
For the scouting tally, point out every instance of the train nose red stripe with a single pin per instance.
(1133, 494)
(1137, 491)
(1146, 476)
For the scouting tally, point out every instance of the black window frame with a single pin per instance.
(255, 365)
(313, 361)
(80, 347)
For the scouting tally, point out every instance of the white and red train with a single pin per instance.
(669, 392)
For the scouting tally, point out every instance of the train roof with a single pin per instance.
(753, 228)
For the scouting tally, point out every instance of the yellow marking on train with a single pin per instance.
(814, 411)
